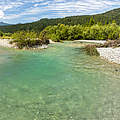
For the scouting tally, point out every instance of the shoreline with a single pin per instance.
(110, 54)
(91, 41)
(5, 43)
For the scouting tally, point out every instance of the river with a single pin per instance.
(58, 83)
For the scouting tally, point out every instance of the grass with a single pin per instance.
(5, 37)
(111, 43)
(91, 50)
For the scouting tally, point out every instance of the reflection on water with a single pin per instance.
(59, 83)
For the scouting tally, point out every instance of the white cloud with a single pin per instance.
(1, 14)
(9, 4)
(54, 8)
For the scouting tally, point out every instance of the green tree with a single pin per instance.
(43, 36)
(1, 33)
(26, 39)
(106, 22)
(92, 21)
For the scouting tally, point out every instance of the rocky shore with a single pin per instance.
(6, 43)
(91, 41)
(110, 54)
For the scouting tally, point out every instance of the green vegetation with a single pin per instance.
(95, 27)
(77, 32)
(61, 32)
(1, 34)
(38, 26)
(111, 43)
(5, 35)
(27, 39)
(91, 50)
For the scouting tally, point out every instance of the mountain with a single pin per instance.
(38, 26)
(4, 24)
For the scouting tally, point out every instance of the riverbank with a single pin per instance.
(91, 41)
(110, 54)
(6, 43)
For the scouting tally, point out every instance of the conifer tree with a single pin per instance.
(91, 22)
(106, 22)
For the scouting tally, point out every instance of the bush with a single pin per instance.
(91, 50)
(1, 34)
(111, 43)
(26, 39)
(91, 32)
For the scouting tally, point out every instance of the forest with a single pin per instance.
(95, 27)
(38, 26)
(77, 32)
(61, 32)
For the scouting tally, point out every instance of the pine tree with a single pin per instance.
(1, 33)
(106, 22)
(113, 21)
(99, 23)
(91, 22)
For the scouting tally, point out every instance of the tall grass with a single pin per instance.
(91, 50)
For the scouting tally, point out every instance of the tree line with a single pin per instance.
(61, 32)
(38, 26)
(77, 32)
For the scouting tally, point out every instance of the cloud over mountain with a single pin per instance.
(23, 11)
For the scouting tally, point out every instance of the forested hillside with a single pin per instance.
(4, 24)
(38, 26)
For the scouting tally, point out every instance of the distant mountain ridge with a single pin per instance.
(4, 24)
(72, 20)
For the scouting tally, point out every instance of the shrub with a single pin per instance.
(93, 31)
(44, 37)
(111, 43)
(26, 39)
(91, 50)
(1, 34)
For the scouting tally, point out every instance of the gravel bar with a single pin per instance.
(110, 54)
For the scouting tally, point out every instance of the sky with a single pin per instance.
(24, 11)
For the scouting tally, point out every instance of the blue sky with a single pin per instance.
(23, 11)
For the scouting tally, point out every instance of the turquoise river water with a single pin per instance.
(58, 83)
